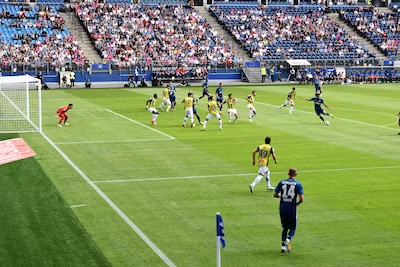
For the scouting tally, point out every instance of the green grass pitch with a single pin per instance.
(170, 182)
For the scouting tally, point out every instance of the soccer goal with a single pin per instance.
(20, 104)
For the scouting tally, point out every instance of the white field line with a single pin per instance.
(241, 174)
(76, 110)
(112, 141)
(336, 118)
(77, 206)
(141, 124)
(112, 205)
(390, 124)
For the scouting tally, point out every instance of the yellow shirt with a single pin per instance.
(291, 95)
(72, 75)
(166, 93)
(151, 103)
(264, 152)
(188, 102)
(250, 99)
(231, 103)
(212, 107)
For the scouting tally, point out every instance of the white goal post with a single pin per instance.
(20, 104)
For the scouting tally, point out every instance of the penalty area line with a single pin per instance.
(336, 118)
(77, 206)
(240, 174)
(139, 123)
(112, 141)
(133, 226)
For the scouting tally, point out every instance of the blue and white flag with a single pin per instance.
(220, 229)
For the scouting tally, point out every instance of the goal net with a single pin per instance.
(20, 104)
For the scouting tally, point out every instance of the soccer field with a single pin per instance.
(120, 191)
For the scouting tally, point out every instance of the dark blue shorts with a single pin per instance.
(220, 99)
(172, 98)
(288, 220)
(320, 111)
(194, 110)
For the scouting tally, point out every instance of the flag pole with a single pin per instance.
(218, 246)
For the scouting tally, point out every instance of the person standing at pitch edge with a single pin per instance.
(72, 79)
(263, 74)
(136, 74)
(288, 190)
(264, 152)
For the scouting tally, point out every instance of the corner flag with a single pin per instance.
(220, 238)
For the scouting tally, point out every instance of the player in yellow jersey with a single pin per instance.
(231, 107)
(165, 99)
(290, 100)
(264, 151)
(188, 102)
(250, 101)
(212, 113)
(399, 121)
(151, 107)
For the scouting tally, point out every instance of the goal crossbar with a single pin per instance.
(20, 104)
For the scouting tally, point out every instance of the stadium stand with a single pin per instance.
(130, 34)
(36, 35)
(288, 32)
(383, 29)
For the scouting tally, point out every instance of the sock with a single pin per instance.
(184, 120)
(282, 106)
(198, 118)
(267, 178)
(291, 109)
(230, 116)
(327, 114)
(201, 97)
(154, 117)
(65, 120)
(322, 119)
(191, 120)
(284, 234)
(162, 106)
(291, 233)
(204, 124)
(169, 106)
(258, 178)
(60, 121)
(250, 114)
(220, 124)
(236, 118)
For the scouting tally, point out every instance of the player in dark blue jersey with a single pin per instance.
(205, 89)
(195, 100)
(288, 190)
(219, 93)
(318, 102)
(172, 95)
(317, 84)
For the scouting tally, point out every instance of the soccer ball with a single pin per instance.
(326, 123)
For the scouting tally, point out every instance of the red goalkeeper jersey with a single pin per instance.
(62, 110)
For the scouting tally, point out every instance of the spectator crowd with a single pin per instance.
(37, 35)
(289, 33)
(128, 34)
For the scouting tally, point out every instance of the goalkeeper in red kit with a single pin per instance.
(62, 114)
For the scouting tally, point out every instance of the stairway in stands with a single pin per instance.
(79, 32)
(239, 51)
(361, 40)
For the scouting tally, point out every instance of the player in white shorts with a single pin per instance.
(290, 100)
(231, 107)
(166, 100)
(250, 101)
(188, 102)
(212, 113)
(151, 107)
